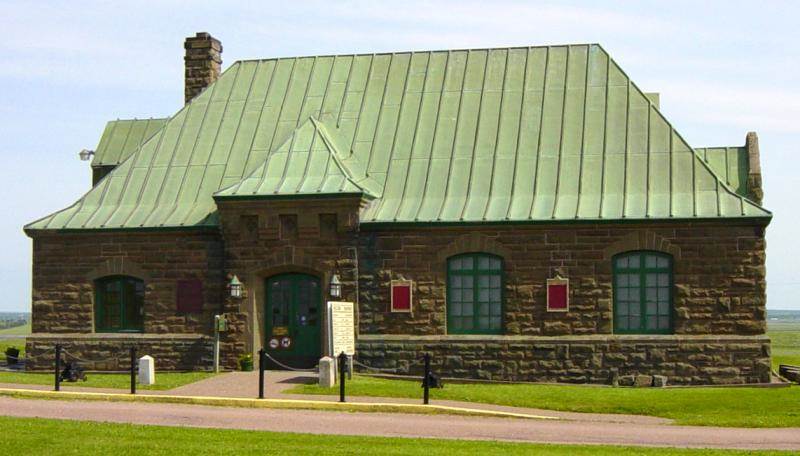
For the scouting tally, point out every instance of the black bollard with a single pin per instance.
(133, 370)
(58, 367)
(261, 366)
(342, 373)
(427, 379)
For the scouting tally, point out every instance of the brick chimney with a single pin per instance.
(203, 63)
(754, 184)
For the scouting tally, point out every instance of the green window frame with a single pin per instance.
(475, 296)
(643, 293)
(119, 304)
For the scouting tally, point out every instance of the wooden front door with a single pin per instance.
(293, 319)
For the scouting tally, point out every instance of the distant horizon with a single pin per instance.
(67, 71)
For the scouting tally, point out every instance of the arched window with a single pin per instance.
(643, 293)
(119, 302)
(475, 294)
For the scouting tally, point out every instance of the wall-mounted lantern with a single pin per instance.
(235, 287)
(336, 286)
(85, 154)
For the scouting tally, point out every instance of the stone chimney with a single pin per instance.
(203, 62)
(754, 166)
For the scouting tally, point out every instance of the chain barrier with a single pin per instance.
(385, 369)
(314, 369)
(65, 352)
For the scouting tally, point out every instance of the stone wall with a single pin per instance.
(316, 236)
(685, 360)
(65, 267)
(111, 352)
(719, 275)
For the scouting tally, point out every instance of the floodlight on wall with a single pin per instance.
(336, 286)
(235, 287)
(85, 154)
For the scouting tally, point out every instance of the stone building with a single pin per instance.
(522, 214)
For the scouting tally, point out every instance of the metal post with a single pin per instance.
(216, 343)
(342, 372)
(261, 366)
(133, 370)
(427, 378)
(58, 367)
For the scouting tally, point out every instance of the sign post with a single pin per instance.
(342, 330)
(220, 325)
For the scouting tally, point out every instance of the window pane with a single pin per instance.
(467, 310)
(496, 309)
(622, 322)
(483, 263)
(495, 281)
(663, 280)
(663, 308)
(650, 261)
(633, 322)
(455, 264)
(494, 295)
(634, 310)
(651, 308)
(633, 280)
(483, 295)
(663, 262)
(622, 308)
(633, 261)
(466, 263)
(467, 295)
(496, 322)
(483, 322)
(467, 323)
(483, 309)
(663, 322)
(622, 262)
(652, 322)
(455, 281)
(466, 281)
(495, 264)
(651, 280)
(483, 281)
(622, 280)
(651, 294)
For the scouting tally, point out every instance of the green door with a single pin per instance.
(293, 319)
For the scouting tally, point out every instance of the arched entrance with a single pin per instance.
(293, 319)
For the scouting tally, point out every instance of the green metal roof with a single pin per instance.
(308, 163)
(731, 164)
(121, 138)
(556, 133)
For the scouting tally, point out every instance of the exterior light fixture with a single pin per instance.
(336, 286)
(235, 287)
(85, 154)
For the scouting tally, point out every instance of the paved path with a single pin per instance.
(406, 425)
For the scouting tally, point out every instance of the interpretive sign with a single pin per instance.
(558, 295)
(342, 329)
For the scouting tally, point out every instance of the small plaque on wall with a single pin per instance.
(401, 295)
(558, 295)
(189, 296)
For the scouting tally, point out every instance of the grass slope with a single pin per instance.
(164, 380)
(785, 343)
(23, 330)
(737, 407)
(41, 436)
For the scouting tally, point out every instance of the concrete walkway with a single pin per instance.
(405, 425)
(581, 428)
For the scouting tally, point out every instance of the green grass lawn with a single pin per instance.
(164, 380)
(785, 343)
(23, 330)
(738, 407)
(33, 436)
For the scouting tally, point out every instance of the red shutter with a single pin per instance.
(401, 295)
(557, 295)
(190, 295)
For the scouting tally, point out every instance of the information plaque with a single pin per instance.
(342, 329)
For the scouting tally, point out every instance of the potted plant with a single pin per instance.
(12, 355)
(246, 362)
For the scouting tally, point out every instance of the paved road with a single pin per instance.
(404, 425)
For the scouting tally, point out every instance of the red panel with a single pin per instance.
(557, 296)
(190, 295)
(401, 297)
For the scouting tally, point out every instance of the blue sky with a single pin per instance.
(722, 69)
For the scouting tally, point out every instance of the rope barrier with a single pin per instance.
(315, 369)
